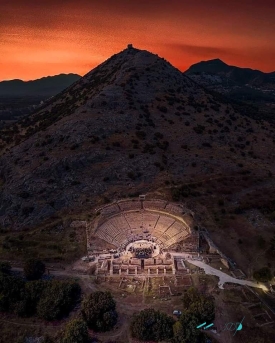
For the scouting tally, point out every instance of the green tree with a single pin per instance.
(191, 296)
(11, 292)
(178, 333)
(33, 293)
(49, 299)
(263, 275)
(76, 331)
(152, 325)
(189, 322)
(204, 309)
(272, 243)
(34, 269)
(185, 330)
(261, 242)
(49, 339)
(99, 311)
(5, 268)
(202, 306)
(58, 299)
(198, 308)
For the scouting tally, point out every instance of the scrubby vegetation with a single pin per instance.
(50, 242)
(185, 191)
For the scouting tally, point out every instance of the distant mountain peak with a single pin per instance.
(238, 75)
(210, 66)
(45, 86)
(216, 61)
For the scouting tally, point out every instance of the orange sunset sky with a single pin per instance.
(41, 38)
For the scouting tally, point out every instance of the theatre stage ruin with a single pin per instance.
(142, 237)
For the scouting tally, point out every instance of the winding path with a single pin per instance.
(224, 277)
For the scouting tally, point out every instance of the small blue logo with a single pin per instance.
(233, 326)
(227, 327)
(201, 325)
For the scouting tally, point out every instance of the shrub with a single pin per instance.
(131, 175)
(207, 145)
(163, 109)
(158, 135)
(75, 183)
(33, 293)
(163, 145)
(5, 267)
(141, 134)
(24, 195)
(11, 292)
(27, 210)
(74, 146)
(263, 274)
(238, 210)
(221, 202)
(34, 269)
(261, 242)
(149, 148)
(199, 129)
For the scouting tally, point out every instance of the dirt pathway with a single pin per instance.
(224, 278)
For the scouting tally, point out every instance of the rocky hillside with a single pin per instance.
(134, 124)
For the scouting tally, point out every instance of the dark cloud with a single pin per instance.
(226, 16)
(34, 13)
(206, 51)
(141, 7)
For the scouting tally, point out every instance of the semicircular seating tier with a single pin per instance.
(166, 223)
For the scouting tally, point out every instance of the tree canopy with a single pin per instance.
(58, 299)
(202, 306)
(76, 331)
(5, 267)
(11, 292)
(263, 275)
(152, 325)
(198, 309)
(99, 311)
(49, 299)
(34, 269)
